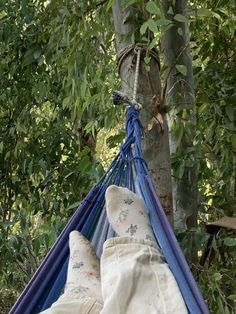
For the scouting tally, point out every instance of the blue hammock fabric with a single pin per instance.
(128, 169)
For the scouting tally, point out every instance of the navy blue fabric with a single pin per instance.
(40, 284)
(127, 169)
(56, 287)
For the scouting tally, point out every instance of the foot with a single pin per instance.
(83, 276)
(127, 214)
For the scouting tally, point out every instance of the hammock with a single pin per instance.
(128, 169)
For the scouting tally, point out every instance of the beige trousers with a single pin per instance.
(134, 280)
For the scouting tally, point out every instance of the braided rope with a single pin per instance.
(136, 73)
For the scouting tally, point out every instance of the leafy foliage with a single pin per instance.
(54, 98)
(57, 72)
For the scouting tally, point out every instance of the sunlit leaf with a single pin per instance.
(152, 25)
(152, 7)
(182, 69)
(180, 18)
(204, 12)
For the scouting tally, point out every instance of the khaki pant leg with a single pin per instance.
(67, 304)
(135, 280)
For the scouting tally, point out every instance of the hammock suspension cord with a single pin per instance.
(136, 73)
(120, 97)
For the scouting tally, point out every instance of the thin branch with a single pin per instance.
(22, 268)
(163, 92)
(96, 6)
(177, 59)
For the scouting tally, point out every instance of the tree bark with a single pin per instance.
(180, 98)
(155, 143)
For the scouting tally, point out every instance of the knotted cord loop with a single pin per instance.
(130, 49)
(136, 50)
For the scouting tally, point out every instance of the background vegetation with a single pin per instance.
(58, 70)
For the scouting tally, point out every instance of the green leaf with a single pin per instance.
(143, 28)
(8, 154)
(180, 31)
(163, 22)
(182, 69)
(152, 8)
(43, 165)
(230, 112)
(127, 17)
(114, 140)
(46, 240)
(30, 168)
(83, 88)
(189, 163)
(170, 11)
(152, 25)
(179, 172)
(66, 102)
(28, 57)
(217, 276)
(69, 174)
(85, 164)
(128, 3)
(1, 146)
(3, 14)
(74, 205)
(153, 43)
(37, 54)
(220, 304)
(230, 241)
(232, 297)
(180, 18)
(147, 60)
(232, 27)
(233, 140)
(178, 130)
(109, 4)
(203, 12)
(216, 15)
(36, 246)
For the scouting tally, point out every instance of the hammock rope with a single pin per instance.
(139, 49)
(127, 169)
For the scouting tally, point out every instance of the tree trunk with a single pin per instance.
(180, 100)
(155, 143)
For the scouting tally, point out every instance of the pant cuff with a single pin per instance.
(129, 240)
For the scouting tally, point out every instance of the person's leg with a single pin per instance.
(127, 213)
(82, 293)
(135, 278)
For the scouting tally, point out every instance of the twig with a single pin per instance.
(96, 6)
(163, 92)
(21, 267)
